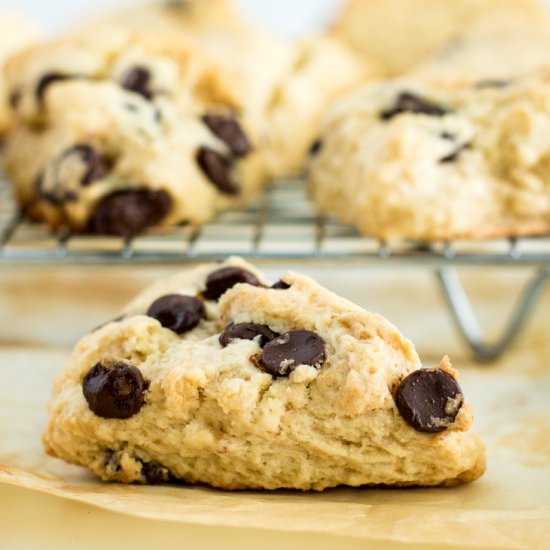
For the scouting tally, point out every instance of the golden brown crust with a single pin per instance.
(228, 423)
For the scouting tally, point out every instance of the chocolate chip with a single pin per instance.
(429, 400)
(178, 313)
(46, 81)
(128, 212)
(315, 148)
(15, 99)
(452, 157)
(217, 169)
(155, 473)
(62, 177)
(115, 392)
(111, 462)
(230, 132)
(280, 285)
(223, 279)
(96, 165)
(138, 80)
(408, 102)
(492, 83)
(300, 347)
(448, 136)
(247, 331)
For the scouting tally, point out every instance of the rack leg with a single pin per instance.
(468, 324)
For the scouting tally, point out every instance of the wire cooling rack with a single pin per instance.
(284, 226)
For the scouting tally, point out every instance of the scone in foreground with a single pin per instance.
(214, 377)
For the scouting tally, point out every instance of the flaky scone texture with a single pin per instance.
(438, 159)
(212, 415)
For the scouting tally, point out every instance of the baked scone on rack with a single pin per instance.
(422, 160)
(478, 52)
(285, 85)
(15, 32)
(118, 132)
(322, 70)
(400, 34)
(216, 377)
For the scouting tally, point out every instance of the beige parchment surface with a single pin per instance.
(508, 508)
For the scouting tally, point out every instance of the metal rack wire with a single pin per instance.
(284, 226)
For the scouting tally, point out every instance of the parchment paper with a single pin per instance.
(508, 508)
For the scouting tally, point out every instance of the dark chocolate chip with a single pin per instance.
(247, 331)
(429, 400)
(218, 169)
(281, 285)
(138, 80)
(114, 392)
(448, 136)
(300, 347)
(46, 81)
(315, 148)
(111, 462)
(228, 130)
(178, 313)
(408, 102)
(78, 166)
(222, 280)
(155, 473)
(492, 83)
(454, 155)
(97, 165)
(424, 248)
(15, 99)
(128, 212)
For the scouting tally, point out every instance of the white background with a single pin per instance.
(288, 16)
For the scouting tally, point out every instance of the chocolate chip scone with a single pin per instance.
(15, 32)
(122, 131)
(284, 85)
(215, 377)
(412, 159)
(401, 34)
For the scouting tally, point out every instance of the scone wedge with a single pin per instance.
(215, 377)
(438, 160)
(120, 132)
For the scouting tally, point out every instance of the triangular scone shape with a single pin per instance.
(287, 386)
